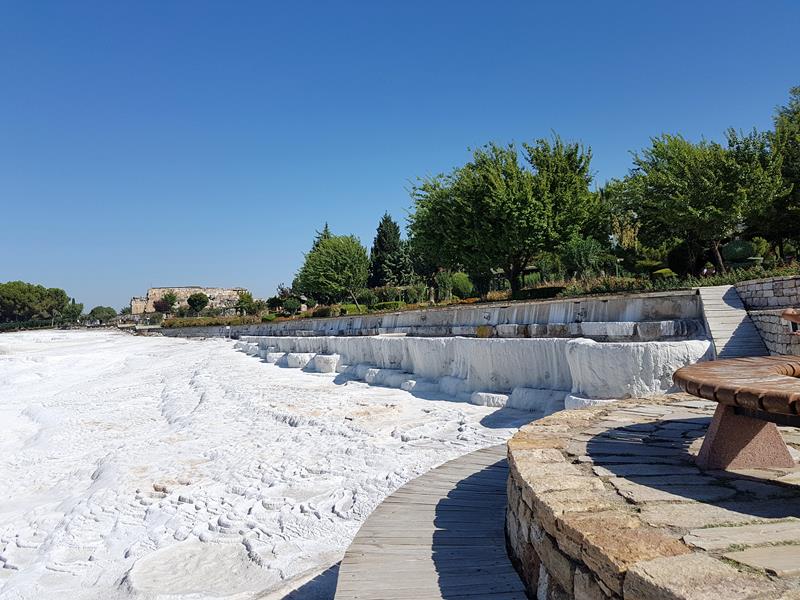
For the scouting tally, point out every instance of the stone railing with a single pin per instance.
(775, 292)
(607, 503)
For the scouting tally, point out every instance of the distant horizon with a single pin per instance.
(158, 142)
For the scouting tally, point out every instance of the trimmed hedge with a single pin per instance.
(210, 321)
(666, 273)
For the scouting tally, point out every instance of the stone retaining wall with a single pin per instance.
(775, 292)
(639, 317)
(776, 332)
(607, 503)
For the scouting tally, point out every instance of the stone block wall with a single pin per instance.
(607, 504)
(765, 299)
(217, 297)
(776, 332)
(775, 292)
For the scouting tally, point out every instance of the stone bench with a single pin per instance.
(753, 395)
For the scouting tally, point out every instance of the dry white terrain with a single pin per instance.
(136, 467)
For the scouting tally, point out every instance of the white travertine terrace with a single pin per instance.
(527, 373)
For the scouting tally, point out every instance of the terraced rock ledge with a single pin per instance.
(608, 503)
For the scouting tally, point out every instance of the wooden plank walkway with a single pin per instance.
(732, 331)
(439, 536)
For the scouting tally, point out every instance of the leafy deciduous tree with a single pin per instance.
(197, 302)
(102, 313)
(337, 268)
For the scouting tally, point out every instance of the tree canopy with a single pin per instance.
(701, 193)
(102, 313)
(20, 301)
(500, 212)
(337, 268)
(385, 256)
(197, 302)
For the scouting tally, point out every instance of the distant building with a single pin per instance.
(217, 297)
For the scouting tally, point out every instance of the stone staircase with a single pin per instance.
(732, 331)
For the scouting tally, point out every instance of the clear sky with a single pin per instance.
(179, 143)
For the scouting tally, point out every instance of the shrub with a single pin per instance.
(444, 285)
(388, 293)
(311, 303)
(761, 247)
(291, 305)
(664, 274)
(738, 251)
(531, 279)
(389, 305)
(367, 297)
(498, 295)
(462, 286)
(275, 302)
(268, 318)
(414, 294)
(647, 265)
(606, 285)
(210, 321)
(351, 309)
(323, 311)
(584, 255)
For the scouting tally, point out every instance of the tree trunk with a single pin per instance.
(718, 257)
(353, 296)
(515, 279)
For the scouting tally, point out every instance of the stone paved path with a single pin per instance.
(732, 331)
(610, 500)
(439, 536)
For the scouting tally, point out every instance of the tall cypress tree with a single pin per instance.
(385, 252)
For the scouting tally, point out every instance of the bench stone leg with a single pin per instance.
(739, 442)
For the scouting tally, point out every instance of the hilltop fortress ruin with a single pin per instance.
(217, 297)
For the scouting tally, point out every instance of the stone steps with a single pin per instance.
(732, 332)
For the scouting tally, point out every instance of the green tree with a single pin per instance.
(385, 254)
(336, 269)
(496, 211)
(292, 305)
(246, 305)
(125, 310)
(321, 236)
(73, 311)
(20, 301)
(102, 313)
(197, 302)
(584, 256)
(169, 298)
(702, 193)
(778, 223)
(462, 286)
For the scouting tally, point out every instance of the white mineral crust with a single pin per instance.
(135, 467)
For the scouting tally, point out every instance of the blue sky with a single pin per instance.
(180, 143)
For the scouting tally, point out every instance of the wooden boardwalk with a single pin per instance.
(732, 331)
(439, 536)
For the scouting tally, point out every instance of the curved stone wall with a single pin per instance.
(607, 503)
